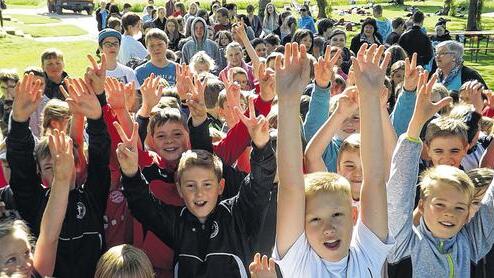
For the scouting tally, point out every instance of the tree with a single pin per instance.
(262, 6)
(474, 12)
(321, 5)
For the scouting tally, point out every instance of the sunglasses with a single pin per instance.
(303, 10)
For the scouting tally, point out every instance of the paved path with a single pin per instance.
(83, 21)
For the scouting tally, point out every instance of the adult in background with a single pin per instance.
(270, 20)
(383, 24)
(254, 21)
(102, 15)
(306, 21)
(416, 40)
(160, 21)
(325, 28)
(398, 25)
(450, 69)
(368, 34)
(338, 39)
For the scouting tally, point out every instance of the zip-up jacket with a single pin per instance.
(81, 238)
(223, 245)
(430, 256)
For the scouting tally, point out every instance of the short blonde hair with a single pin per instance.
(124, 261)
(350, 144)
(55, 110)
(327, 182)
(202, 159)
(446, 175)
(446, 126)
(201, 57)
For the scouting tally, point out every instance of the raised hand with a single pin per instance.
(239, 30)
(258, 127)
(82, 99)
(127, 152)
(490, 97)
(323, 68)
(27, 96)
(115, 93)
(61, 151)
(266, 83)
(350, 80)
(348, 102)
(424, 107)
(292, 75)
(262, 268)
(130, 95)
(412, 72)
(196, 102)
(182, 72)
(151, 91)
(369, 73)
(473, 94)
(95, 76)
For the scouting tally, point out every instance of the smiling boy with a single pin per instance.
(210, 237)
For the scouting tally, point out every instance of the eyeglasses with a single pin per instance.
(111, 44)
(303, 10)
(443, 54)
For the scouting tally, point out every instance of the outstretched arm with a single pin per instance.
(291, 79)
(51, 224)
(369, 75)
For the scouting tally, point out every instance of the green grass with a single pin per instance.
(34, 19)
(48, 31)
(485, 66)
(35, 3)
(13, 54)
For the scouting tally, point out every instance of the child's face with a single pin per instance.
(477, 199)
(398, 76)
(170, 26)
(368, 30)
(8, 89)
(46, 168)
(170, 140)
(329, 224)
(200, 188)
(350, 167)
(110, 47)
(350, 126)
(221, 19)
(445, 210)
(53, 67)
(224, 41)
(261, 50)
(307, 41)
(447, 150)
(242, 81)
(41, 80)
(338, 41)
(15, 255)
(156, 48)
(201, 67)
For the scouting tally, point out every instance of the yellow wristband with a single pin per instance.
(414, 140)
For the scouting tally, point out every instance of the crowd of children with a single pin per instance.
(206, 143)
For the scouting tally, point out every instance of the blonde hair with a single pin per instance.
(481, 177)
(350, 144)
(444, 127)
(446, 175)
(486, 125)
(327, 182)
(203, 58)
(124, 261)
(202, 159)
(55, 110)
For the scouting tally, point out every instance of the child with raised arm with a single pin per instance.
(210, 238)
(443, 244)
(315, 221)
(82, 231)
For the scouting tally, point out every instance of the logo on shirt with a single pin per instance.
(81, 210)
(116, 197)
(216, 230)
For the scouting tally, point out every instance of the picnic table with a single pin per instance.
(472, 40)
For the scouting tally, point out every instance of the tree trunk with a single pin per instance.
(446, 7)
(262, 6)
(472, 15)
(400, 2)
(321, 5)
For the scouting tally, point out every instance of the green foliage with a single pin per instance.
(34, 19)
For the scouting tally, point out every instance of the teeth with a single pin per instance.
(170, 149)
(331, 241)
(449, 224)
(200, 203)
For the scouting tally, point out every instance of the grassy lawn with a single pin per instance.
(13, 54)
(47, 31)
(34, 19)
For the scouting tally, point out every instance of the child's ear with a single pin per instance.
(179, 189)
(222, 186)
(420, 206)
(354, 215)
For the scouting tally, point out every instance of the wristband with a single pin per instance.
(414, 140)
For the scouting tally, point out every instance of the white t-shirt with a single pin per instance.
(130, 48)
(365, 259)
(124, 74)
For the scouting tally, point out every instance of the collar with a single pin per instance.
(443, 245)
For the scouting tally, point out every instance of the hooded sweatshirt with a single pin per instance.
(195, 45)
(431, 256)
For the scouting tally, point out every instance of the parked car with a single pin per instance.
(56, 6)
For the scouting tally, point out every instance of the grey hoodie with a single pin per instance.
(430, 256)
(193, 46)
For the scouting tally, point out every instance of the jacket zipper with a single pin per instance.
(449, 258)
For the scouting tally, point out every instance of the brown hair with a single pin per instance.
(444, 127)
(51, 53)
(350, 144)
(55, 110)
(124, 261)
(160, 117)
(446, 175)
(155, 33)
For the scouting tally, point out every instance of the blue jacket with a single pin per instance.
(307, 22)
(403, 111)
(384, 27)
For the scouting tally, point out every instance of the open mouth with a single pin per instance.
(447, 224)
(332, 244)
(200, 203)
(170, 149)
